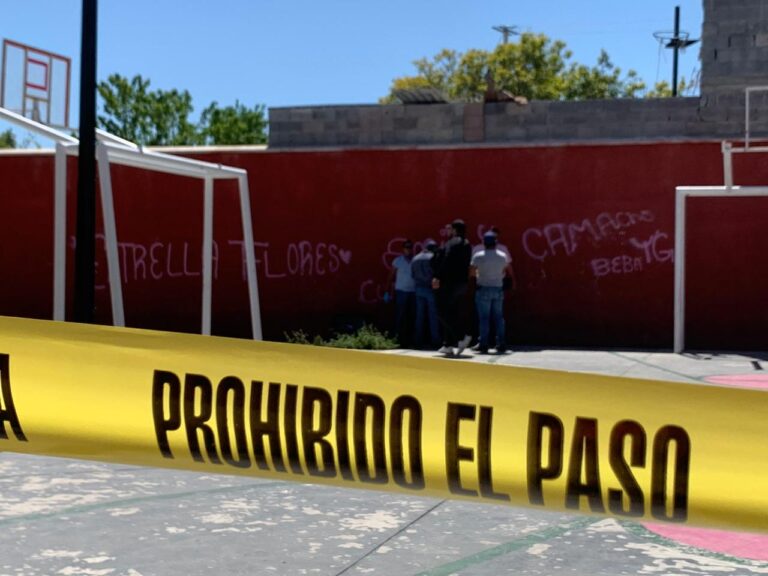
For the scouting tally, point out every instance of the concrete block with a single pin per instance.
(698, 130)
(324, 113)
(286, 127)
(351, 124)
(404, 123)
(498, 124)
(301, 114)
(432, 122)
(709, 28)
(313, 127)
(495, 108)
(472, 134)
(348, 139)
(536, 132)
(539, 107)
(279, 114)
(513, 133)
(393, 109)
(473, 124)
(662, 128)
(562, 131)
(473, 109)
(735, 13)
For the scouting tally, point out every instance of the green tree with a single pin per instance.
(7, 139)
(601, 81)
(131, 110)
(535, 67)
(148, 117)
(236, 124)
(664, 90)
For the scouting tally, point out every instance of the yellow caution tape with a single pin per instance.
(623, 447)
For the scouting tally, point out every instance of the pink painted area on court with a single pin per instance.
(742, 380)
(749, 546)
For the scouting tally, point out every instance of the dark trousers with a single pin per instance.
(405, 302)
(451, 301)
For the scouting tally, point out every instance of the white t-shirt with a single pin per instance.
(490, 264)
(501, 247)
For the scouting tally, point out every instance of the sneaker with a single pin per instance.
(501, 350)
(480, 350)
(447, 350)
(463, 343)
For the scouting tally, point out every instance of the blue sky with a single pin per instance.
(302, 52)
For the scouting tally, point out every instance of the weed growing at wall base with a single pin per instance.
(366, 338)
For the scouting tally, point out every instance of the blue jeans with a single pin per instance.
(426, 309)
(489, 302)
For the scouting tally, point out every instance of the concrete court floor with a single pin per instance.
(71, 517)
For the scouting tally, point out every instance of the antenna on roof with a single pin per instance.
(506, 32)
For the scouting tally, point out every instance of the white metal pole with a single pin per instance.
(250, 257)
(60, 234)
(207, 254)
(679, 340)
(727, 149)
(110, 235)
(746, 118)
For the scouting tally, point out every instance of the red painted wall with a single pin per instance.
(590, 229)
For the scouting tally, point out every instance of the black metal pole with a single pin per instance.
(85, 250)
(675, 49)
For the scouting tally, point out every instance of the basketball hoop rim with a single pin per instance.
(663, 35)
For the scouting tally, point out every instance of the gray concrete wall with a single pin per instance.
(734, 50)
(734, 54)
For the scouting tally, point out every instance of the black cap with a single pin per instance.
(489, 239)
(459, 226)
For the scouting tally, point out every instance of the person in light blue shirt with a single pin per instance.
(401, 279)
(426, 307)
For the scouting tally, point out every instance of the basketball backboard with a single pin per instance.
(35, 83)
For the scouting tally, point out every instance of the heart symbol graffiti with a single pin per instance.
(345, 255)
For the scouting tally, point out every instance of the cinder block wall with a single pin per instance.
(734, 50)
(734, 55)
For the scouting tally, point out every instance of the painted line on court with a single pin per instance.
(538, 537)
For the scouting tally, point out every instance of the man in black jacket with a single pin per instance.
(451, 278)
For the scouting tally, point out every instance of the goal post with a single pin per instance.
(682, 193)
(114, 150)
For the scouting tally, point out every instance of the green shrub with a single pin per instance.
(301, 337)
(366, 338)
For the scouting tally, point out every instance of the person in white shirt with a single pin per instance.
(499, 245)
(490, 266)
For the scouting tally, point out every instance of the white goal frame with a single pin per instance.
(681, 195)
(111, 149)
